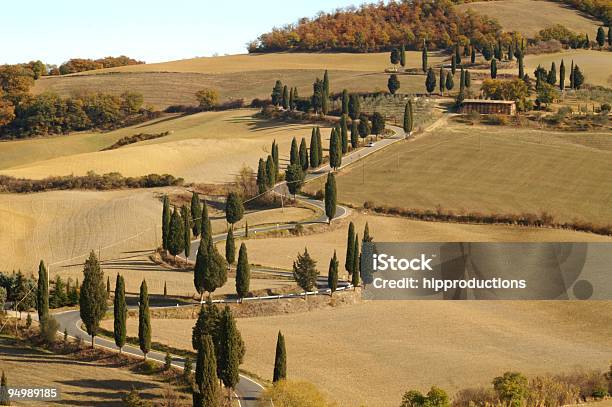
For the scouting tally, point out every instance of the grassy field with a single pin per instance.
(529, 16)
(489, 169)
(191, 151)
(589, 61)
(238, 76)
(280, 252)
(401, 345)
(81, 383)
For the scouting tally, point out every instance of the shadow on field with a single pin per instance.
(256, 124)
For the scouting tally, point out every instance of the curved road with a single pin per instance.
(247, 389)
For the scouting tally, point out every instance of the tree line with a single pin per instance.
(376, 27)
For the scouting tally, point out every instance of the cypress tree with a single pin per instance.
(330, 197)
(262, 177)
(314, 150)
(234, 210)
(462, 81)
(395, 56)
(108, 287)
(303, 154)
(345, 102)
(521, 65)
(393, 84)
(325, 96)
(571, 77)
(165, 289)
(473, 55)
(587, 42)
(42, 294)
(120, 313)
(355, 262)
(207, 324)
(207, 391)
(468, 81)
(430, 81)
(354, 106)
(350, 246)
(294, 156)
(274, 154)
(277, 93)
(424, 65)
(493, 68)
(196, 214)
(294, 176)
(185, 214)
(231, 350)
(165, 222)
(366, 234)
(498, 50)
(354, 134)
(285, 99)
(230, 246)
(403, 56)
(442, 80)
(92, 298)
(609, 36)
(457, 54)
(408, 118)
(176, 237)
(144, 320)
(450, 83)
(344, 133)
(199, 270)
(206, 226)
(562, 76)
(246, 229)
(243, 273)
(280, 359)
(291, 101)
(270, 172)
(332, 274)
(319, 146)
(510, 53)
(334, 159)
(4, 395)
(552, 74)
(453, 65)
(578, 77)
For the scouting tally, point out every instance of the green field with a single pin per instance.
(490, 170)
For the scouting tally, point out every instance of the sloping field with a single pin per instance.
(192, 151)
(80, 383)
(490, 170)
(281, 252)
(238, 76)
(529, 16)
(369, 354)
(592, 63)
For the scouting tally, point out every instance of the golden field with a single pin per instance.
(396, 346)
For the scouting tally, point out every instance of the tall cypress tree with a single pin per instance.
(457, 54)
(408, 117)
(92, 298)
(403, 56)
(424, 65)
(230, 246)
(303, 154)
(562, 76)
(234, 209)
(493, 68)
(291, 99)
(473, 55)
(571, 77)
(330, 197)
(319, 146)
(430, 81)
(270, 172)
(206, 226)
(231, 350)
(285, 98)
(334, 148)
(354, 106)
(186, 216)
(206, 392)
(275, 157)
(552, 74)
(332, 274)
(345, 102)
(467, 79)
(208, 323)
(120, 313)
(366, 234)
(450, 83)
(4, 395)
(462, 81)
(442, 80)
(144, 320)
(453, 64)
(521, 65)
(314, 150)
(108, 287)
(42, 295)
(280, 359)
(344, 133)
(325, 96)
(354, 134)
(350, 246)
(262, 177)
(165, 222)
(176, 239)
(243, 273)
(294, 155)
(355, 262)
(196, 214)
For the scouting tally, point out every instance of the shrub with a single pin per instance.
(133, 399)
(148, 367)
(48, 331)
(294, 394)
(497, 119)
(207, 98)
(511, 388)
(475, 397)
(167, 361)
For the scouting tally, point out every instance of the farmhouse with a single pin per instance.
(485, 106)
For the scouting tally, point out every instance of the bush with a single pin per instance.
(167, 361)
(293, 394)
(473, 397)
(207, 98)
(133, 399)
(497, 120)
(148, 367)
(48, 331)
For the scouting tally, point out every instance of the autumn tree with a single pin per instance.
(207, 98)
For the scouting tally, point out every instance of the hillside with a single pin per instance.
(530, 16)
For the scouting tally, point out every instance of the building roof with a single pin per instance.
(489, 101)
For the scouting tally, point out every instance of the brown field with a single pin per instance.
(191, 151)
(80, 383)
(62, 227)
(401, 345)
(529, 16)
(238, 76)
(489, 169)
(280, 252)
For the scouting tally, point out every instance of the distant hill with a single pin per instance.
(379, 27)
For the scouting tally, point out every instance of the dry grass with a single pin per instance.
(193, 150)
(280, 252)
(513, 171)
(529, 16)
(238, 76)
(372, 352)
(79, 382)
(591, 63)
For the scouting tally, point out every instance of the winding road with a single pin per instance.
(247, 389)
